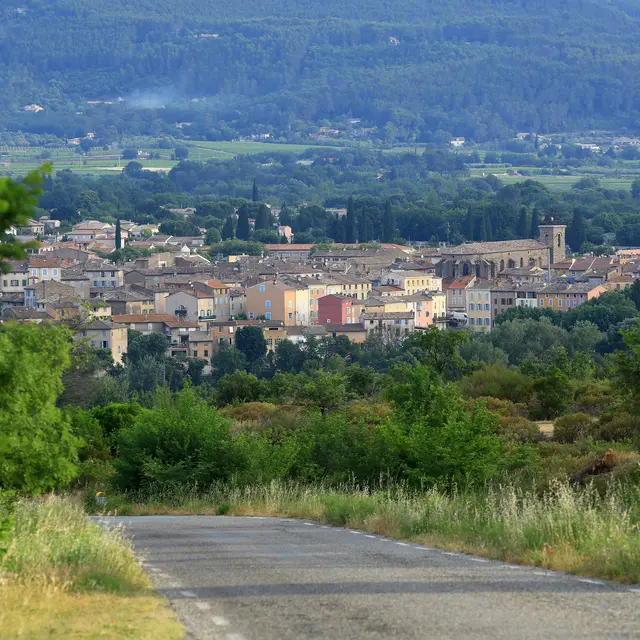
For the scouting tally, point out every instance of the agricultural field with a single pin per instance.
(511, 175)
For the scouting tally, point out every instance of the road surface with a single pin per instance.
(275, 579)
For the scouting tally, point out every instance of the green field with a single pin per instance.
(555, 183)
(245, 147)
(19, 160)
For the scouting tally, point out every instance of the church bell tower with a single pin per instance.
(553, 235)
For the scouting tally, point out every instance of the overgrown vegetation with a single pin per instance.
(61, 574)
(563, 528)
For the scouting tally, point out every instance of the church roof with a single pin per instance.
(502, 246)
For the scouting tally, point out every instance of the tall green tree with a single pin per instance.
(263, 218)
(523, 223)
(535, 222)
(388, 223)
(576, 233)
(635, 189)
(228, 229)
(17, 205)
(250, 341)
(255, 195)
(118, 235)
(286, 216)
(243, 229)
(37, 449)
(351, 231)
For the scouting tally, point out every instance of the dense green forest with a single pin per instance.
(430, 197)
(424, 71)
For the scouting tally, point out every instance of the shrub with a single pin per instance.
(620, 426)
(251, 411)
(518, 428)
(182, 441)
(571, 428)
(594, 396)
(498, 381)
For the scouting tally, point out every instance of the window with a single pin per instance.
(14, 283)
(270, 342)
(206, 353)
(486, 322)
(472, 321)
(472, 307)
(4, 283)
(195, 353)
(470, 295)
(486, 296)
(348, 311)
(55, 272)
(34, 272)
(251, 315)
(105, 344)
(291, 316)
(487, 307)
(267, 304)
(290, 304)
(261, 288)
(559, 302)
(268, 315)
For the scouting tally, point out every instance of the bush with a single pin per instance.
(250, 411)
(620, 426)
(498, 381)
(182, 441)
(518, 428)
(572, 428)
(594, 396)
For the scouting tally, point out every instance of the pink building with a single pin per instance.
(336, 309)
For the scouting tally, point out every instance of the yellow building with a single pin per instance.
(413, 282)
(101, 334)
(282, 300)
(479, 305)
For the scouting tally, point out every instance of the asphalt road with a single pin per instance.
(273, 579)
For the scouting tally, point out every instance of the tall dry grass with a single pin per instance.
(565, 527)
(52, 542)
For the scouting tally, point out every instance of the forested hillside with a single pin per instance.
(415, 70)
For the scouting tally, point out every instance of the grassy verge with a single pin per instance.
(62, 576)
(565, 528)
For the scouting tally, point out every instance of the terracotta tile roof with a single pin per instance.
(502, 246)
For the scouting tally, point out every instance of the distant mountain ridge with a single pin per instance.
(415, 70)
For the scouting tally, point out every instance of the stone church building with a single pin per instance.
(488, 259)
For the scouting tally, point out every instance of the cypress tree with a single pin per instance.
(118, 235)
(576, 232)
(243, 230)
(388, 223)
(263, 218)
(523, 223)
(535, 223)
(228, 232)
(255, 196)
(351, 231)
